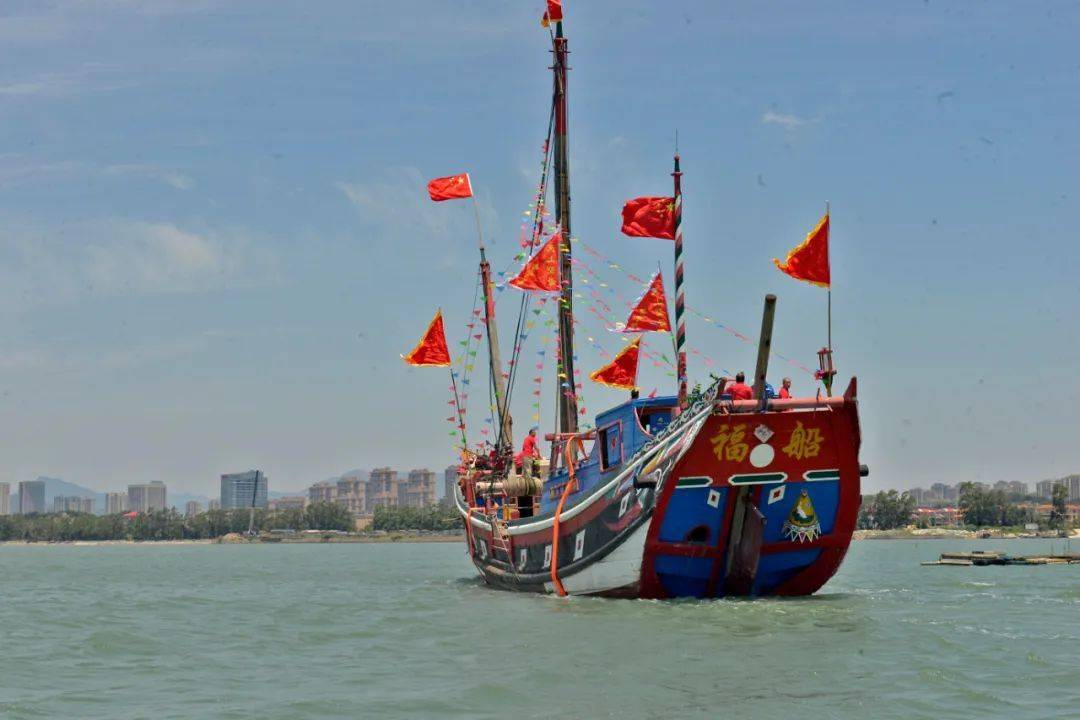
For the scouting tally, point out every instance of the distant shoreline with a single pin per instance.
(952, 534)
(367, 538)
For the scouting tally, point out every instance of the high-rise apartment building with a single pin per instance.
(352, 494)
(215, 504)
(193, 508)
(5, 498)
(72, 503)
(1045, 488)
(450, 483)
(322, 492)
(382, 489)
(144, 497)
(418, 490)
(31, 496)
(115, 502)
(243, 490)
(290, 502)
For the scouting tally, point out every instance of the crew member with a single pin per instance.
(739, 390)
(785, 389)
(530, 455)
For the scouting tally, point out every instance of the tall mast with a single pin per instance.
(565, 382)
(680, 301)
(498, 382)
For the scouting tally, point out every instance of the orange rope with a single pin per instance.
(571, 481)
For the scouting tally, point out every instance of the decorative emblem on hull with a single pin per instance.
(802, 524)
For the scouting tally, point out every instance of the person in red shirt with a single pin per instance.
(530, 454)
(739, 390)
(785, 389)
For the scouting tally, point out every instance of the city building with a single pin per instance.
(115, 502)
(215, 504)
(352, 494)
(144, 497)
(72, 503)
(418, 490)
(382, 489)
(243, 490)
(1011, 487)
(292, 502)
(1045, 488)
(31, 496)
(5, 498)
(450, 482)
(322, 492)
(193, 508)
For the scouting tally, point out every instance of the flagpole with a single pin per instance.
(680, 301)
(827, 260)
(476, 212)
(828, 311)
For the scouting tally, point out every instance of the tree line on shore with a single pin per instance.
(169, 524)
(979, 507)
(432, 517)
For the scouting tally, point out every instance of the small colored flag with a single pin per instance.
(810, 260)
(541, 272)
(649, 217)
(450, 188)
(650, 312)
(553, 14)
(622, 371)
(431, 350)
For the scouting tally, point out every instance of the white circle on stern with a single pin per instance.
(762, 455)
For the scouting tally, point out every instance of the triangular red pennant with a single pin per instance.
(650, 313)
(622, 371)
(541, 272)
(431, 350)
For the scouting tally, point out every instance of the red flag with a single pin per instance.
(431, 350)
(649, 217)
(622, 371)
(553, 14)
(541, 271)
(650, 313)
(810, 260)
(450, 188)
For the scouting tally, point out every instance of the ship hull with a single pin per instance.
(732, 503)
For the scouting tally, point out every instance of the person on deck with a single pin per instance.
(530, 455)
(785, 389)
(739, 390)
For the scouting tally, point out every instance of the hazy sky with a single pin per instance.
(215, 242)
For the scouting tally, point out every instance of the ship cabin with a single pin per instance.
(620, 432)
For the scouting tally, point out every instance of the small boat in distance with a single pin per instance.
(700, 495)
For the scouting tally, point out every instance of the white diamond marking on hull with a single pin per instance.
(523, 556)
(579, 545)
(776, 494)
(714, 498)
(624, 504)
(763, 433)
(481, 549)
(547, 556)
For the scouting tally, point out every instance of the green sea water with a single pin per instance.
(406, 631)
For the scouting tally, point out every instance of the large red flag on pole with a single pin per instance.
(622, 371)
(541, 272)
(649, 217)
(650, 313)
(553, 13)
(810, 260)
(450, 188)
(431, 350)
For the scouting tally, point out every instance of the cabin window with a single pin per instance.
(610, 441)
(654, 420)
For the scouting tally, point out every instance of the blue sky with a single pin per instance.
(214, 238)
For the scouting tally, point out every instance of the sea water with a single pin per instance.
(407, 631)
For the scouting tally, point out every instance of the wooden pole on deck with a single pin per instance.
(764, 348)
